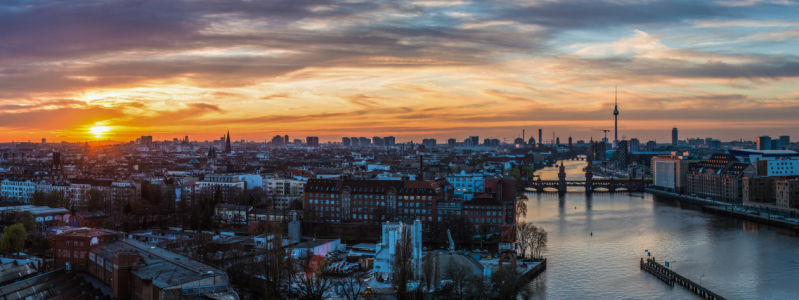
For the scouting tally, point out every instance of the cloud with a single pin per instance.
(276, 95)
(413, 66)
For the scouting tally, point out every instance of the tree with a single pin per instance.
(539, 242)
(520, 209)
(402, 265)
(58, 198)
(509, 283)
(477, 287)
(94, 200)
(312, 279)
(352, 284)
(39, 198)
(13, 240)
(515, 173)
(523, 237)
(430, 270)
(459, 274)
(528, 172)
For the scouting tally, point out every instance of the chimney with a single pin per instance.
(499, 190)
(421, 169)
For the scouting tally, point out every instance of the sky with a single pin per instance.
(97, 70)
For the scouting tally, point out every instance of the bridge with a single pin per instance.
(590, 184)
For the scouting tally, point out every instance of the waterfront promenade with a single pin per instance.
(735, 210)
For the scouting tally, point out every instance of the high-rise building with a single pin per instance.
(429, 143)
(277, 140)
(776, 144)
(377, 141)
(312, 141)
(345, 141)
(540, 138)
(786, 140)
(621, 153)
(355, 142)
(487, 142)
(451, 143)
(674, 137)
(570, 141)
(764, 142)
(44, 141)
(616, 117)
(651, 145)
(364, 142)
(557, 141)
(146, 140)
(634, 145)
(475, 140)
(186, 139)
(286, 139)
(389, 141)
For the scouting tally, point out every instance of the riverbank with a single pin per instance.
(739, 211)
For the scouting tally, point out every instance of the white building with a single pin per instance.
(17, 189)
(384, 251)
(468, 184)
(47, 187)
(284, 190)
(316, 247)
(780, 167)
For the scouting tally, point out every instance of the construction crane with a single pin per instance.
(603, 130)
(451, 243)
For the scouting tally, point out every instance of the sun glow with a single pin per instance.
(99, 131)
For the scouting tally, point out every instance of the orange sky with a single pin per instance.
(412, 69)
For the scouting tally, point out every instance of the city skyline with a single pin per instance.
(415, 70)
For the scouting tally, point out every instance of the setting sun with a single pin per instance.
(99, 131)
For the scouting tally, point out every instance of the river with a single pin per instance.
(739, 259)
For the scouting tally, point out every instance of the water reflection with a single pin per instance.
(741, 260)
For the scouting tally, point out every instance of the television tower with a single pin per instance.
(616, 116)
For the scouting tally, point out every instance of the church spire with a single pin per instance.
(227, 143)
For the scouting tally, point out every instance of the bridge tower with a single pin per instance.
(562, 178)
(589, 176)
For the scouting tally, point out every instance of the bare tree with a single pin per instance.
(477, 287)
(352, 284)
(402, 267)
(539, 242)
(459, 274)
(523, 237)
(275, 266)
(311, 277)
(430, 270)
(521, 206)
(510, 284)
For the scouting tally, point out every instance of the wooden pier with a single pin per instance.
(670, 277)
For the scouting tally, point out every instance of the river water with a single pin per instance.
(740, 259)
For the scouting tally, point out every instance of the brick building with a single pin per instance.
(376, 201)
(71, 248)
(758, 189)
(346, 200)
(787, 193)
(134, 270)
(719, 178)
